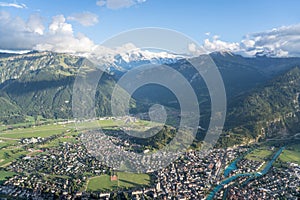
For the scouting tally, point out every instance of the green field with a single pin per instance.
(10, 148)
(8, 155)
(116, 124)
(9, 139)
(56, 142)
(126, 180)
(291, 154)
(38, 131)
(53, 129)
(29, 122)
(261, 154)
(5, 174)
(6, 143)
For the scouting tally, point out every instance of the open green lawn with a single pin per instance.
(9, 138)
(4, 143)
(131, 180)
(53, 129)
(2, 127)
(39, 131)
(10, 149)
(126, 180)
(5, 174)
(29, 121)
(291, 154)
(104, 124)
(101, 183)
(107, 123)
(260, 154)
(140, 125)
(8, 155)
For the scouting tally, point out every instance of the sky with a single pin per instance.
(242, 26)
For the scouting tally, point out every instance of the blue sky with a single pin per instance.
(232, 20)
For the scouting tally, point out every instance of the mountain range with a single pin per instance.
(262, 92)
(128, 60)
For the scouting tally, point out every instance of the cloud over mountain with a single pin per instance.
(61, 38)
(215, 44)
(32, 34)
(17, 34)
(282, 41)
(278, 42)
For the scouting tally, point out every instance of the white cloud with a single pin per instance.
(14, 52)
(14, 5)
(84, 18)
(282, 41)
(215, 44)
(66, 44)
(35, 24)
(118, 4)
(101, 53)
(192, 47)
(59, 25)
(196, 50)
(60, 38)
(17, 34)
(278, 42)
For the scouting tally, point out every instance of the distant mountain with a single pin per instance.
(42, 83)
(269, 111)
(128, 60)
(241, 74)
(260, 90)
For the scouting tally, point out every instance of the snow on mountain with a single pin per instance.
(128, 59)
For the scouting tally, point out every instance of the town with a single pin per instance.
(64, 170)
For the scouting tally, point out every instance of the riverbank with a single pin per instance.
(252, 175)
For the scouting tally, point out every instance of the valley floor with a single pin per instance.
(49, 161)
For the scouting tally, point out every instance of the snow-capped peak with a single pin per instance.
(128, 56)
(128, 60)
(147, 55)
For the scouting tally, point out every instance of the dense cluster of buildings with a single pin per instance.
(61, 172)
(104, 147)
(194, 175)
(70, 159)
(276, 184)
